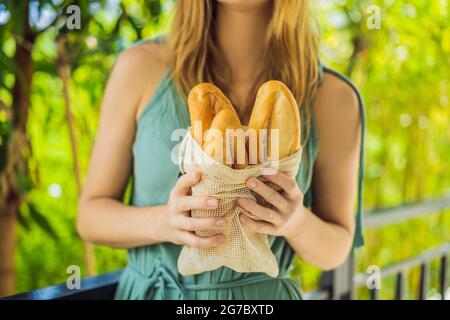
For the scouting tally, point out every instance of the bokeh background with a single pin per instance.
(51, 85)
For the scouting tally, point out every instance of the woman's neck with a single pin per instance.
(240, 36)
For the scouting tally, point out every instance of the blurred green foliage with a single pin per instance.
(402, 70)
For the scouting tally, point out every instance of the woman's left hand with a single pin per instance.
(287, 215)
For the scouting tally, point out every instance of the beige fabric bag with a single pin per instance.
(243, 251)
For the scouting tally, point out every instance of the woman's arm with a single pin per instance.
(323, 238)
(102, 218)
(328, 233)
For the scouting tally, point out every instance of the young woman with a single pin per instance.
(238, 45)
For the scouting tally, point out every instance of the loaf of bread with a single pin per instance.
(205, 101)
(222, 140)
(216, 126)
(276, 110)
(273, 131)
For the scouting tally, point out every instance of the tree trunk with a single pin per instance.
(8, 231)
(16, 166)
(64, 73)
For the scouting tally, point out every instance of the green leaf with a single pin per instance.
(41, 221)
(23, 221)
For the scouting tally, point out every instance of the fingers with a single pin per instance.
(192, 240)
(188, 203)
(289, 185)
(270, 195)
(196, 224)
(257, 226)
(185, 182)
(261, 212)
(182, 202)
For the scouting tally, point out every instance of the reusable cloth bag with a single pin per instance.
(243, 250)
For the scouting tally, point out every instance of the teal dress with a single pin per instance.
(152, 272)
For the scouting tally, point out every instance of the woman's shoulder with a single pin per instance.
(144, 57)
(338, 113)
(337, 98)
(141, 68)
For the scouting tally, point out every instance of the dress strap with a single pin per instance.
(358, 240)
(321, 70)
(159, 38)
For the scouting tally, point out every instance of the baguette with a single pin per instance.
(275, 108)
(211, 115)
(220, 137)
(205, 101)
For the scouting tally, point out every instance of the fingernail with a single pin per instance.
(220, 223)
(241, 217)
(211, 202)
(268, 171)
(252, 183)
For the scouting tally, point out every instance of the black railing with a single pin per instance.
(337, 284)
(101, 287)
(342, 282)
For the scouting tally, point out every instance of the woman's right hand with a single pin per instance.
(179, 227)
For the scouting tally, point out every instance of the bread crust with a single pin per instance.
(276, 108)
(205, 101)
(221, 136)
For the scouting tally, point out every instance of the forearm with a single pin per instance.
(109, 222)
(320, 243)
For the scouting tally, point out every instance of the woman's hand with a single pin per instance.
(287, 216)
(178, 226)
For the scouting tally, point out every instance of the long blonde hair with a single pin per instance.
(292, 54)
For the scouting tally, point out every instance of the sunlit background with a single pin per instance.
(46, 132)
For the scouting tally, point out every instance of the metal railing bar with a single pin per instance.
(387, 216)
(438, 252)
(400, 286)
(321, 294)
(443, 276)
(61, 291)
(424, 280)
(374, 294)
